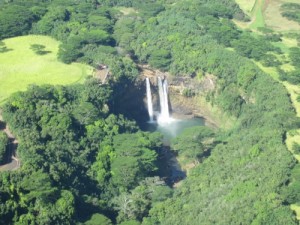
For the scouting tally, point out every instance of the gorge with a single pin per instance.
(89, 151)
(161, 120)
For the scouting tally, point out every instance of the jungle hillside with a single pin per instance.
(82, 81)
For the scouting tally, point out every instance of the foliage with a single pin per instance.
(188, 93)
(291, 194)
(251, 47)
(127, 160)
(15, 20)
(270, 60)
(98, 219)
(64, 130)
(92, 162)
(135, 205)
(294, 56)
(51, 134)
(292, 77)
(291, 11)
(130, 222)
(193, 142)
(160, 59)
(225, 182)
(296, 148)
(3, 146)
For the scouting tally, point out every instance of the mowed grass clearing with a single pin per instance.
(257, 15)
(21, 66)
(246, 5)
(267, 13)
(254, 9)
(275, 20)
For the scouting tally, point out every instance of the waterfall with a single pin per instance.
(149, 100)
(163, 100)
(161, 94)
(166, 113)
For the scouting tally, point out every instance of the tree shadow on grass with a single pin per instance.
(39, 49)
(42, 52)
(5, 49)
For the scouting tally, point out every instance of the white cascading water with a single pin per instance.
(149, 100)
(161, 94)
(166, 113)
(164, 116)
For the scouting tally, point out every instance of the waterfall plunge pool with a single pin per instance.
(173, 127)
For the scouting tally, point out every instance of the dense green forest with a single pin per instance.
(3, 146)
(84, 159)
(75, 155)
(291, 11)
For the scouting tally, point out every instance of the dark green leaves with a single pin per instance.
(14, 21)
(3, 146)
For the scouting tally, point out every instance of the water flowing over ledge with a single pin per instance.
(163, 115)
(149, 100)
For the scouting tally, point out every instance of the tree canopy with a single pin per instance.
(84, 158)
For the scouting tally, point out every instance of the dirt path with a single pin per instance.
(12, 162)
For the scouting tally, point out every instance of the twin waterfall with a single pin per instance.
(163, 100)
(164, 115)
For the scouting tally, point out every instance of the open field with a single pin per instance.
(286, 44)
(267, 13)
(297, 210)
(20, 66)
(273, 17)
(258, 19)
(246, 5)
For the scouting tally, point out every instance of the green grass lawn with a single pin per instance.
(246, 5)
(267, 14)
(20, 66)
(296, 208)
(257, 14)
(276, 21)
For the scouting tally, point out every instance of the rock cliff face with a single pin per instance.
(186, 98)
(186, 95)
(129, 100)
